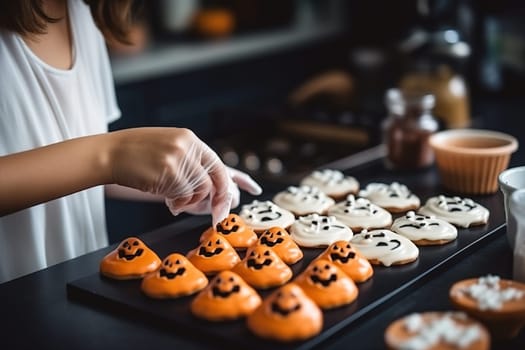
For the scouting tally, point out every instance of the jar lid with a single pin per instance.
(398, 97)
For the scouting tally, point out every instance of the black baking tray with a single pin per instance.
(125, 297)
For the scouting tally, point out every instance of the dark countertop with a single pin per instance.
(37, 312)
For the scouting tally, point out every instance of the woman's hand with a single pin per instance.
(176, 164)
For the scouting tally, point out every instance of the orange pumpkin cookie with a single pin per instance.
(498, 303)
(262, 268)
(213, 255)
(348, 259)
(235, 230)
(280, 241)
(437, 331)
(227, 297)
(327, 285)
(176, 277)
(131, 259)
(286, 315)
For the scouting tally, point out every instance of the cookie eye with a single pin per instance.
(233, 219)
(209, 244)
(218, 241)
(348, 246)
(252, 254)
(166, 262)
(267, 253)
(315, 269)
(177, 262)
(327, 267)
(219, 280)
(232, 279)
(335, 247)
(135, 243)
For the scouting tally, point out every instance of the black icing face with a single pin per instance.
(419, 222)
(130, 249)
(264, 213)
(272, 237)
(212, 247)
(322, 274)
(285, 303)
(457, 204)
(325, 224)
(224, 286)
(259, 257)
(382, 240)
(172, 268)
(229, 225)
(341, 251)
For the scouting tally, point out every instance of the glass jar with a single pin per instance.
(407, 128)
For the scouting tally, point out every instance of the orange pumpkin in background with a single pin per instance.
(176, 277)
(235, 230)
(286, 315)
(213, 255)
(262, 268)
(280, 241)
(227, 297)
(327, 285)
(348, 259)
(132, 259)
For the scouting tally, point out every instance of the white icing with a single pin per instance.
(488, 293)
(416, 227)
(263, 215)
(318, 230)
(360, 212)
(384, 245)
(394, 195)
(456, 210)
(331, 182)
(303, 200)
(437, 330)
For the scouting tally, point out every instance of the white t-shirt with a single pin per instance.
(40, 105)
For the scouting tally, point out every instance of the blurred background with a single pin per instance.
(280, 87)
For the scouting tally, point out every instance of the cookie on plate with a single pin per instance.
(227, 297)
(360, 213)
(280, 241)
(384, 247)
(132, 259)
(262, 215)
(394, 197)
(332, 182)
(286, 315)
(462, 212)
(235, 230)
(327, 285)
(175, 278)
(437, 330)
(424, 229)
(303, 200)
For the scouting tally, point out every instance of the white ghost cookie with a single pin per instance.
(360, 214)
(332, 182)
(385, 247)
(424, 229)
(261, 216)
(463, 212)
(396, 198)
(319, 231)
(303, 200)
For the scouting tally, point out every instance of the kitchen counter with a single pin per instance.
(36, 310)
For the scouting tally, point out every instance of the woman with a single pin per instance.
(56, 99)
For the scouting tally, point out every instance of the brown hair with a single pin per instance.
(113, 17)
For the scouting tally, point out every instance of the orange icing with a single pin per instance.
(213, 255)
(287, 314)
(262, 268)
(235, 230)
(176, 277)
(280, 241)
(227, 297)
(327, 284)
(348, 259)
(131, 259)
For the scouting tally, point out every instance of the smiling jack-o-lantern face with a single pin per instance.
(327, 284)
(235, 230)
(347, 258)
(227, 297)
(262, 268)
(176, 277)
(131, 259)
(280, 241)
(287, 314)
(213, 255)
